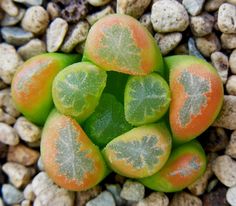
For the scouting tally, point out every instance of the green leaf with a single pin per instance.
(139, 153)
(73, 163)
(195, 88)
(119, 48)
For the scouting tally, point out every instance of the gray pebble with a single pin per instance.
(228, 41)
(30, 2)
(185, 199)
(8, 135)
(169, 16)
(40, 164)
(145, 20)
(213, 5)
(193, 7)
(33, 48)
(221, 63)
(115, 190)
(12, 20)
(231, 85)
(132, 191)
(193, 49)
(98, 2)
(227, 18)
(231, 148)
(76, 35)
(1, 202)
(231, 196)
(29, 193)
(202, 25)
(56, 34)
(227, 117)
(105, 199)
(155, 199)
(232, 62)
(9, 7)
(11, 195)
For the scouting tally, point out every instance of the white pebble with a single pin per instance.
(8, 135)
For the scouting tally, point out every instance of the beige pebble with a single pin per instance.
(231, 1)
(6, 118)
(36, 20)
(145, 20)
(232, 61)
(231, 148)
(228, 41)
(29, 193)
(12, 20)
(231, 85)
(9, 7)
(185, 199)
(8, 135)
(26, 130)
(98, 2)
(18, 174)
(155, 199)
(53, 10)
(26, 203)
(213, 5)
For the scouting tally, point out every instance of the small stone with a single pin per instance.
(155, 199)
(11, 195)
(212, 184)
(104, 199)
(18, 175)
(194, 7)
(227, 18)
(208, 44)
(231, 196)
(232, 62)
(83, 197)
(8, 135)
(231, 1)
(33, 48)
(132, 191)
(40, 164)
(76, 34)
(53, 10)
(228, 41)
(215, 198)
(36, 20)
(80, 48)
(22, 155)
(224, 168)
(29, 193)
(9, 7)
(30, 2)
(12, 20)
(35, 144)
(56, 34)
(145, 20)
(231, 85)
(167, 42)
(26, 203)
(1, 202)
(27, 131)
(227, 117)
(115, 190)
(133, 8)
(6, 118)
(231, 148)
(193, 49)
(10, 61)
(184, 198)
(98, 2)
(213, 5)
(221, 63)
(92, 18)
(202, 25)
(181, 49)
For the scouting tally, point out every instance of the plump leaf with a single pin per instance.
(73, 162)
(195, 88)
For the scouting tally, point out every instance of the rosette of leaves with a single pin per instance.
(77, 89)
(147, 99)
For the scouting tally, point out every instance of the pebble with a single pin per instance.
(185, 199)
(193, 49)
(231, 148)
(105, 199)
(33, 48)
(213, 5)
(40, 164)
(221, 63)
(53, 10)
(1, 202)
(22, 155)
(227, 18)
(167, 42)
(9, 7)
(36, 20)
(8, 135)
(6, 118)
(155, 199)
(133, 8)
(132, 191)
(224, 168)
(98, 2)
(232, 61)
(29, 193)
(10, 61)
(227, 117)
(56, 34)
(27, 131)
(202, 24)
(169, 16)
(208, 44)
(145, 20)
(76, 35)
(35, 144)
(12, 20)
(16, 35)
(231, 196)
(212, 184)
(228, 41)
(194, 7)
(215, 198)
(231, 85)
(231, 1)
(11, 195)
(18, 174)
(83, 197)
(115, 190)
(26, 203)
(92, 18)
(30, 2)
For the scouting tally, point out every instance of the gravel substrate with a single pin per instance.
(206, 29)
